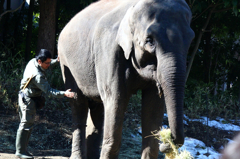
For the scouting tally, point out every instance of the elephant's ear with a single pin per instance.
(124, 35)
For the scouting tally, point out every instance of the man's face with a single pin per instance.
(45, 64)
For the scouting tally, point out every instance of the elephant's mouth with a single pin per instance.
(160, 91)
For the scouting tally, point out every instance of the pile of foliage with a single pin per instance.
(165, 137)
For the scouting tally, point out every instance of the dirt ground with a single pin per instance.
(52, 135)
(12, 156)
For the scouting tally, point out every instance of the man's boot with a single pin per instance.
(21, 144)
(28, 137)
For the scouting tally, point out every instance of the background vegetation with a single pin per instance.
(212, 80)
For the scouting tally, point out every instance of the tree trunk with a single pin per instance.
(1, 11)
(57, 26)
(17, 33)
(207, 56)
(47, 23)
(1, 6)
(198, 42)
(4, 29)
(239, 95)
(29, 30)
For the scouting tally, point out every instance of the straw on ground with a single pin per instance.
(164, 135)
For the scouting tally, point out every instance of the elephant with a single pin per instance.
(109, 51)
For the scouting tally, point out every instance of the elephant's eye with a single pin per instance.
(150, 45)
(149, 41)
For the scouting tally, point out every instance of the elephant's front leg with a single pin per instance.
(79, 116)
(113, 122)
(152, 117)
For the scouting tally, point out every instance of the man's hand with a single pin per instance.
(69, 94)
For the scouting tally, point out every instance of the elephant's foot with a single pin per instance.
(77, 155)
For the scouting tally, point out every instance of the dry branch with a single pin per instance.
(11, 11)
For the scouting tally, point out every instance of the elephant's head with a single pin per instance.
(156, 35)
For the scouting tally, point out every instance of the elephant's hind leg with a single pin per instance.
(79, 108)
(94, 129)
(79, 116)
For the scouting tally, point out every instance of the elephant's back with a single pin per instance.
(75, 40)
(75, 43)
(80, 29)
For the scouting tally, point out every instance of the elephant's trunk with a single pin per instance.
(171, 75)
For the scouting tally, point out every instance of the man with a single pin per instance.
(33, 84)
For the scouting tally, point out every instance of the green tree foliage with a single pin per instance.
(211, 16)
(215, 51)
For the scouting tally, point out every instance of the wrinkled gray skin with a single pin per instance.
(110, 50)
